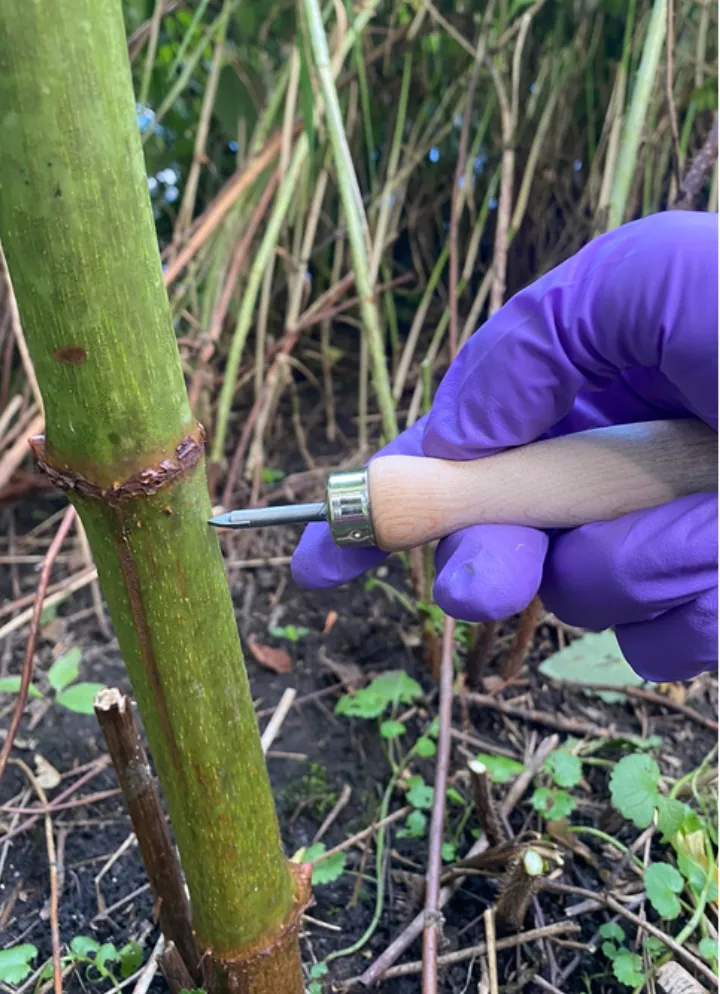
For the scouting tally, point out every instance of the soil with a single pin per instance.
(316, 754)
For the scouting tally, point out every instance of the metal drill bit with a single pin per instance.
(263, 517)
(346, 511)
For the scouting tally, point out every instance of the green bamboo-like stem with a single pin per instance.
(616, 111)
(260, 263)
(187, 206)
(637, 113)
(250, 294)
(354, 218)
(78, 233)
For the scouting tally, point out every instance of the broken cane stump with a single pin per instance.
(115, 715)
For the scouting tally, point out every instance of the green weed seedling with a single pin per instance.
(325, 870)
(565, 771)
(292, 633)
(16, 963)
(317, 972)
(385, 693)
(501, 769)
(312, 791)
(102, 961)
(627, 966)
(62, 677)
(273, 475)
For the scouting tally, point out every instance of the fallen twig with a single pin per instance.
(574, 726)
(131, 840)
(360, 836)
(101, 795)
(52, 864)
(341, 803)
(279, 716)
(26, 677)
(471, 952)
(491, 943)
(651, 696)
(62, 591)
(98, 767)
(150, 969)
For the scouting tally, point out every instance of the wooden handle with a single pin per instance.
(595, 475)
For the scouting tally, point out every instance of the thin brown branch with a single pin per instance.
(53, 869)
(364, 833)
(481, 949)
(641, 694)
(18, 334)
(574, 726)
(522, 642)
(78, 802)
(54, 896)
(477, 658)
(332, 815)
(95, 769)
(140, 34)
(61, 591)
(670, 96)
(27, 672)
(202, 129)
(17, 453)
(114, 713)
(696, 174)
(283, 349)
(208, 222)
(437, 823)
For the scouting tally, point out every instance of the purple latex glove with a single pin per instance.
(626, 330)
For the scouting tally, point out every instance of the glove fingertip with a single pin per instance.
(677, 645)
(491, 572)
(319, 564)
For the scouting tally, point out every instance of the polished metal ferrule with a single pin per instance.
(348, 508)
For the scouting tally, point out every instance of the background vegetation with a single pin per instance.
(343, 193)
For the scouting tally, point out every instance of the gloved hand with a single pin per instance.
(626, 330)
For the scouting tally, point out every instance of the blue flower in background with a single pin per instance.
(145, 117)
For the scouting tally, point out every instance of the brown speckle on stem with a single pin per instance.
(75, 355)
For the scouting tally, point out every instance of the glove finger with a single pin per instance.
(489, 572)
(676, 645)
(631, 570)
(317, 562)
(643, 295)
